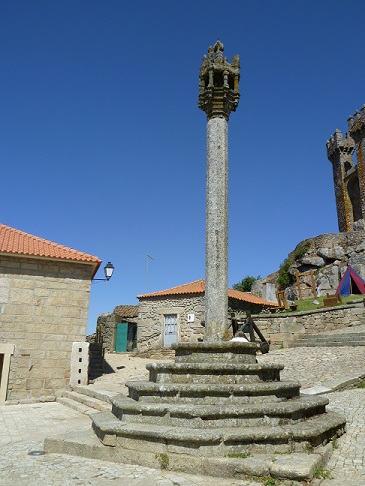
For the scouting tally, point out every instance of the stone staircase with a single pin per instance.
(330, 339)
(214, 410)
(85, 399)
(96, 366)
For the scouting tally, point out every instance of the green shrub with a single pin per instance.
(239, 455)
(246, 283)
(320, 473)
(163, 460)
(285, 279)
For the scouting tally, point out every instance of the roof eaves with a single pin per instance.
(96, 263)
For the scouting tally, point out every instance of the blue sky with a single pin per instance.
(102, 145)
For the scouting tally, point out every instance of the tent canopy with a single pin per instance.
(351, 283)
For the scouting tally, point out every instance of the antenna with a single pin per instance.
(147, 258)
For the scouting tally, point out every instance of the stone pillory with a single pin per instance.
(218, 96)
(214, 405)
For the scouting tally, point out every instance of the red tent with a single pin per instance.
(351, 283)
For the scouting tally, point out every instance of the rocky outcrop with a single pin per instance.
(327, 255)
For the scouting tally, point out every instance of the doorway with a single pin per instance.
(121, 337)
(170, 330)
(6, 350)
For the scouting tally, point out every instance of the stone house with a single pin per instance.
(44, 301)
(117, 330)
(176, 314)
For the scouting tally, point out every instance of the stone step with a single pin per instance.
(306, 344)
(187, 425)
(222, 352)
(295, 437)
(212, 393)
(213, 372)
(350, 336)
(344, 339)
(211, 416)
(86, 401)
(74, 405)
(296, 466)
(99, 393)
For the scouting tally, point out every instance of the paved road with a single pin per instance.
(24, 427)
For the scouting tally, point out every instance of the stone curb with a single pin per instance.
(333, 385)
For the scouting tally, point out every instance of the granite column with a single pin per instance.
(218, 96)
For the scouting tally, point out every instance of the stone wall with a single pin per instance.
(281, 329)
(106, 325)
(43, 310)
(150, 325)
(151, 319)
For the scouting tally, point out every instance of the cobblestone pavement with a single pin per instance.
(347, 463)
(319, 365)
(24, 427)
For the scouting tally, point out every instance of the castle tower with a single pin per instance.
(349, 179)
(218, 96)
(339, 152)
(356, 126)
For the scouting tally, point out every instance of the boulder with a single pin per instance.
(327, 255)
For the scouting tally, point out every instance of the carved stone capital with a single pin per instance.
(218, 83)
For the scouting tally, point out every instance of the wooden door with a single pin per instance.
(121, 337)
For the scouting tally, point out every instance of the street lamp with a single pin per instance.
(108, 272)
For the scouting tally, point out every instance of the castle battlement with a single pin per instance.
(338, 143)
(357, 121)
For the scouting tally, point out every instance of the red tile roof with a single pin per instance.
(16, 242)
(126, 311)
(198, 287)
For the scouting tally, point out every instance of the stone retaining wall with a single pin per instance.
(43, 310)
(281, 329)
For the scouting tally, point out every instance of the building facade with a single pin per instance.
(44, 302)
(117, 330)
(178, 314)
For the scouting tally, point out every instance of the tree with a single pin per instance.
(246, 283)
